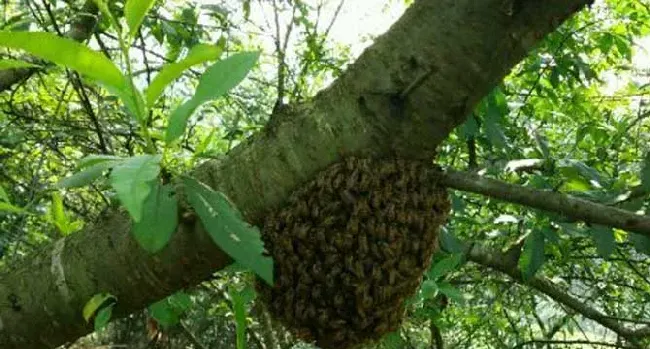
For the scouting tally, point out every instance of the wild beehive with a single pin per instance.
(350, 246)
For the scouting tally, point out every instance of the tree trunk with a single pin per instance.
(401, 98)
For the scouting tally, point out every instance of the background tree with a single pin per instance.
(570, 118)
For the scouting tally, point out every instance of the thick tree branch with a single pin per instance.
(80, 30)
(578, 343)
(500, 261)
(563, 204)
(464, 46)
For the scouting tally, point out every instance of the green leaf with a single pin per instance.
(450, 243)
(645, 173)
(57, 213)
(604, 239)
(7, 207)
(393, 340)
(445, 266)
(164, 313)
(576, 171)
(134, 12)
(551, 235)
(106, 13)
(641, 242)
(180, 301)
(215, 81)
(168, 311)
(69, 53)
(495, 134)
(103, 317)
(132, 179)
(542, 144)
(86, 176)
(159, 219)
(224, 224)
(429, 289)
(532, 257)
(94, 159)
(469, 129)
(13, 64)
(200, 53)
(452, 292)
(239, 301)
(3, 195)
(200, 149)
(97, 302)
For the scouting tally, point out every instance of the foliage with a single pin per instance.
(161, 87)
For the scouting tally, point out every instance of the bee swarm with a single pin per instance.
(350, 246)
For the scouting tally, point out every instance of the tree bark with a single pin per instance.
(402, 97)
(576, 208)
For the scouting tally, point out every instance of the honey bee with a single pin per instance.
(288, 312)
(315, 211)
(302, 289)
(406, 265)
(415, 245)
(375, 201)
(383, 293)
(365, 181)
(329, 221)
(386, 250)
(358, 269)
(331, 260)
(393, 233)
(323, 319)
(376, 273)
(353, 226)
(299, 311)
(363, 244)
(334, 272)
(339, 300)
(349, 263)
(374, 249)
(353, 179)
(362, 208)
(346, 279)
(320, 236)
(381, 328)
(348, 242)
(392, 276)
(316, 293)
(311, 312)
(302, 210)
(401, 182)
(338, 323)
(390, 212)
(402, 216)
(316, 269)
(415, 199)
(382, 231)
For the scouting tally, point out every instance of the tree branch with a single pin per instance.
(563, 204)
(499, 261)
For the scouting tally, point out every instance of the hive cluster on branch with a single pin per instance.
(350, 246)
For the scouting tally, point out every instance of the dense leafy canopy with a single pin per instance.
(572, 118)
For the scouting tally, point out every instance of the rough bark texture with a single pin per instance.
(560, 203)
(462, 48)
